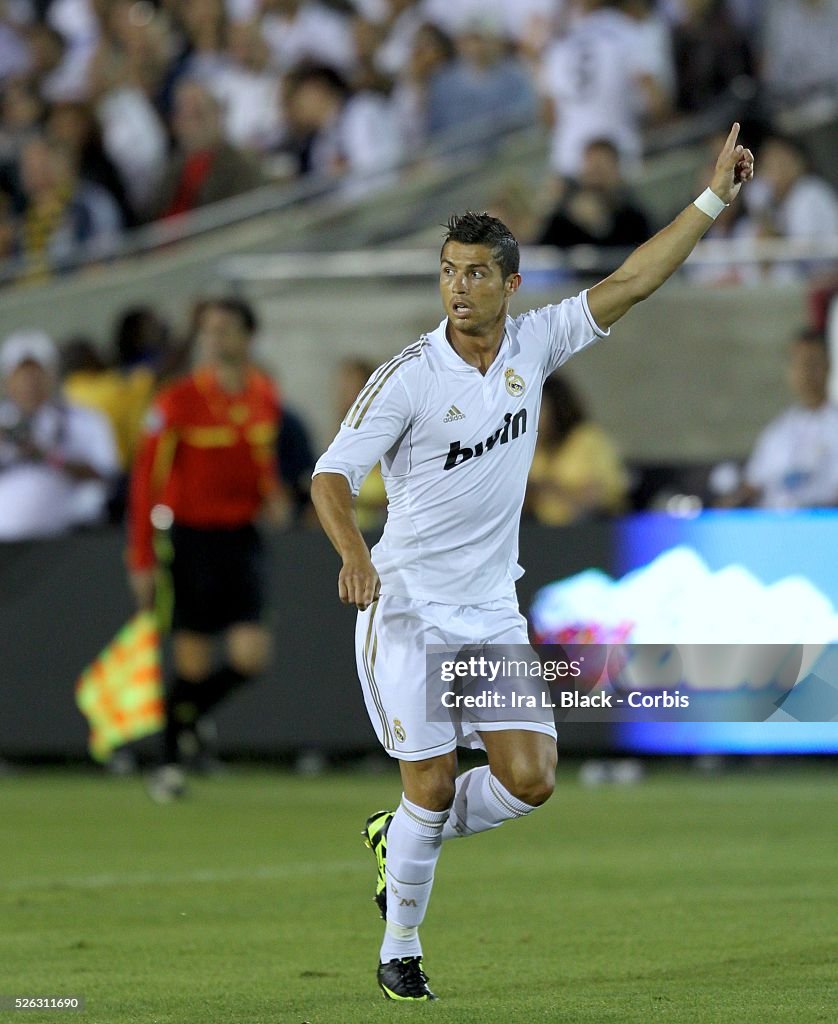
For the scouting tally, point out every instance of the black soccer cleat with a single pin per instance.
(404, 980)
(375, 837)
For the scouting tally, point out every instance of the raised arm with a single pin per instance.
(656, 260)
(358, 581)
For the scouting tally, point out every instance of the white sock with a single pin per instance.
(481, 803)
(399, 941)
(414, 840)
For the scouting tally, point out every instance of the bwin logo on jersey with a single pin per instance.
(512, 427)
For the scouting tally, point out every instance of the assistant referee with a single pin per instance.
(205, 471)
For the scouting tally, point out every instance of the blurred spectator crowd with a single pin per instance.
(71, 421)
(119, 113)
(115, 113)
(72, 418)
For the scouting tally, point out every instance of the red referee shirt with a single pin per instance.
(207, 454)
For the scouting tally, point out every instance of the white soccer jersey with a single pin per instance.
(455, 448)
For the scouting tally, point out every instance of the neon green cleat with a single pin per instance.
(405, 980)
(375, 837)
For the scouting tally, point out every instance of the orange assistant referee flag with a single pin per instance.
(121, 692)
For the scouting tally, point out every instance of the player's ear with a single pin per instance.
(512, 284)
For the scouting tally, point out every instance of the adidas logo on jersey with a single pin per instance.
(454, 414)
(513, 426)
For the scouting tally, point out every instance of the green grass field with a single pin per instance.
(682, 900)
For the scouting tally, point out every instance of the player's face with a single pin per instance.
(221, 337)
(474, 292)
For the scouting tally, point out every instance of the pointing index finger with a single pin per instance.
(732, 137)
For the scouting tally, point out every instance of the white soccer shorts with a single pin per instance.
(390, 640)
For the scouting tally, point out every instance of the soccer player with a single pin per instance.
(452, 420)
(205, 471)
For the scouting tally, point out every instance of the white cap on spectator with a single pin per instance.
(28, 346)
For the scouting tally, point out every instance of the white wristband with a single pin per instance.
(708, 202)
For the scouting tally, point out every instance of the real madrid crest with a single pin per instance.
(398, 729)
(514, 383)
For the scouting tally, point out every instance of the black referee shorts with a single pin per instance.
(218, 577)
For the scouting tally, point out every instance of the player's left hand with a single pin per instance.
(734, 167)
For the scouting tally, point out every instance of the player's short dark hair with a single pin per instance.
(238, 308)
(471, 228)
